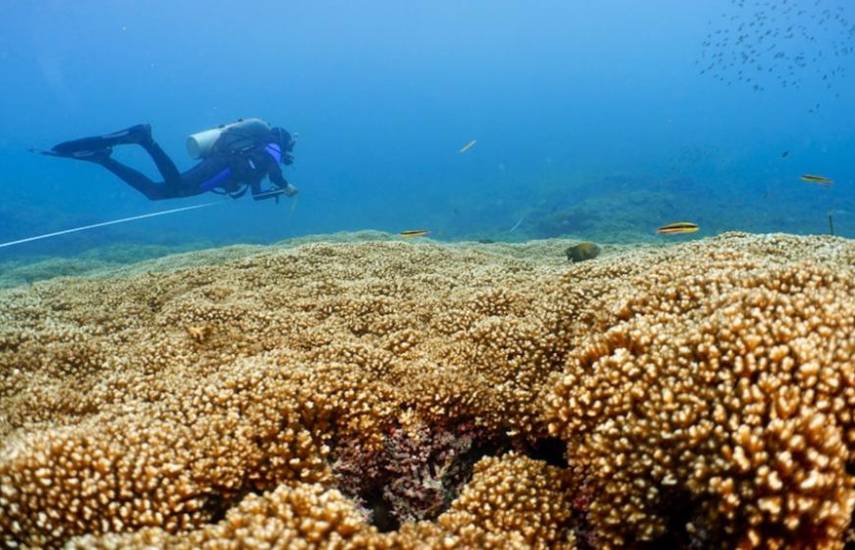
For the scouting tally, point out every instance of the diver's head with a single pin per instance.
(283, 139)
(281, 145)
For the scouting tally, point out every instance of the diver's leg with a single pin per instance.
(171, 175)
(152, 190)
(181, 188)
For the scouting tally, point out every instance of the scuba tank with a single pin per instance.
(228, 138)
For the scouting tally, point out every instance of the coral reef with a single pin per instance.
(388, 394)
(731, 390)
(114, 259)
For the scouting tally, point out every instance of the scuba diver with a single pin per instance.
(234, 158)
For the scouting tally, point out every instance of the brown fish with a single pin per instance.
(582, 251)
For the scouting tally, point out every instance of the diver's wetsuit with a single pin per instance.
(229, 173)
(233, 173)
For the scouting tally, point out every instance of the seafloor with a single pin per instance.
(414, 394)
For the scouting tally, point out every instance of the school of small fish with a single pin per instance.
(784, 43)
(760, 43)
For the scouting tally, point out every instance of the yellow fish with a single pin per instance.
(812, 178)
(412, 233)
(677, 227)
(468, 146)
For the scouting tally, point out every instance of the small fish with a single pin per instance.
(785, 154)
(812, 178)
(412, 233)
(677, 227)
(468, 146)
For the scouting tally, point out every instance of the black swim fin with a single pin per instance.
(79, 148)
(97, 155)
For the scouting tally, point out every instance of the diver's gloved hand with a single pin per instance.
(288, 159)
(290, 190)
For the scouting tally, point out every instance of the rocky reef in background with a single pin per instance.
(25, 270)
(628, 208)
(394, 394)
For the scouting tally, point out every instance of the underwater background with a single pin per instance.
(596, 120)
(314, 373)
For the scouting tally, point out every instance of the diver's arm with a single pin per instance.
(260, 162)
(274, 173)
(259, 194)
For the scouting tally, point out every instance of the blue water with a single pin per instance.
(570, 101)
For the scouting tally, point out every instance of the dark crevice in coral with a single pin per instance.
(217, 503)
(551, 450)
(216, 506)
(585, 537)
(421, 469)
(418, 472)
(381, 512)
(680, 508)
(462, 472)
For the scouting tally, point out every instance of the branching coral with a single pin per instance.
(295, 515)
(704, 393)
(513, 502)
(727, 393)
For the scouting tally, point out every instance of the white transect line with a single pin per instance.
(111, 222)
